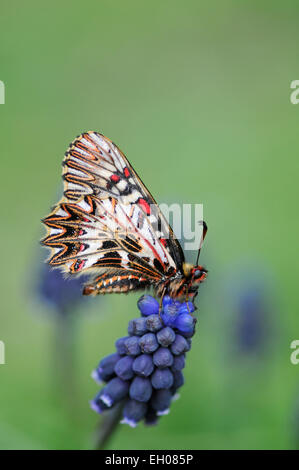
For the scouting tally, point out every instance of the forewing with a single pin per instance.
(107, 218)
(93, 164)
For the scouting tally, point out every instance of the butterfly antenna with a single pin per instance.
(204, 232)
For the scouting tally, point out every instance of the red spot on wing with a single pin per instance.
(80, 232)
(115, 178)
(82, 247)
(126, 172)
(145, 206)
(78, 265)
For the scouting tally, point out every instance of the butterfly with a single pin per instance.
(108, 225)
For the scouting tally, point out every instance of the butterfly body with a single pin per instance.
(176, 286)
(108, 224)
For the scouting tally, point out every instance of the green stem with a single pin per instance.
(64, 360)
(108, 426)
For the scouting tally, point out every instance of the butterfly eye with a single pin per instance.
(197, 273)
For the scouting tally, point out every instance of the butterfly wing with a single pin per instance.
(93, 164)
(108, 221)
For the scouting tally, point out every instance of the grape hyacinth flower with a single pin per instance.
(145, 372)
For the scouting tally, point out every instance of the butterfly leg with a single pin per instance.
(186, 300)
(161, 301)
(190, 298)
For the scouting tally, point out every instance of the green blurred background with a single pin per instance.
(197, 94)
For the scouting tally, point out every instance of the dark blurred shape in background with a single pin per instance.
(251, 310)
(64, 296)
(62, 293)
(252, 328)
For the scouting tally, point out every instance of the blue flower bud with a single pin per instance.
(160, 401)
(162, 378)
(97, 378)
(140, 389)
(185, 323)
(163, 358)
(178, 379)
(186, 307)
(120, 345)
(137, 326)
(97, 405)
(189, 334)
(178, 362)
(151, 417)
(166, 336)
(98, 408)
(123, 368)
(105, 369)
(179, 345)
(166, 300)
(133, 412)
(153, 323)
(169, 314)
(132, 346)
(148, 305)
(114, 391)
(148, 343)
(143, 365)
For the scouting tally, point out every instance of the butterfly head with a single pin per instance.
(194, 274)
(198, 274)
